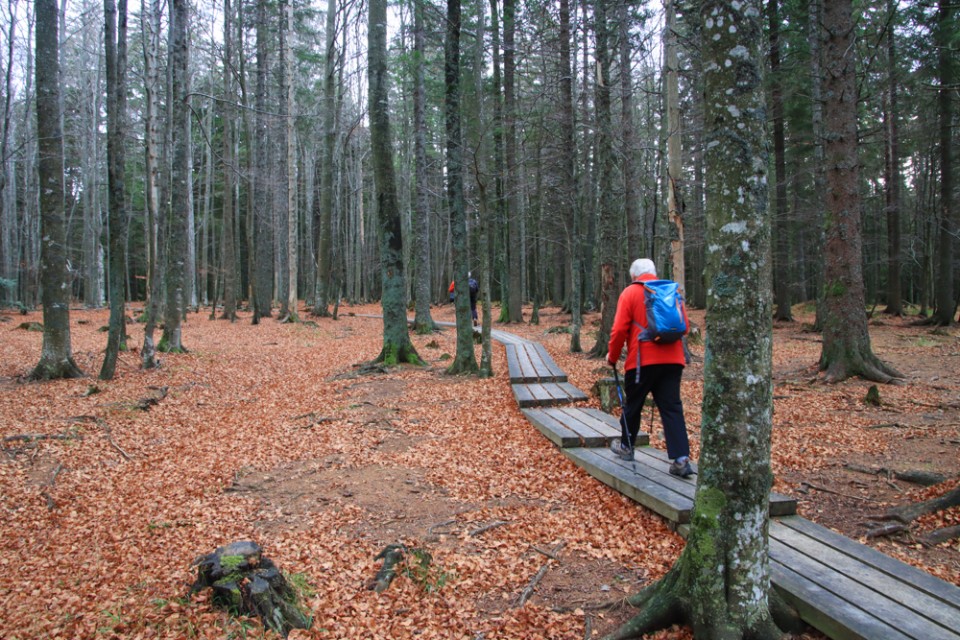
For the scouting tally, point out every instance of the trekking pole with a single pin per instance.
(623, 412)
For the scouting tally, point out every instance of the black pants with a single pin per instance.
(663, 380)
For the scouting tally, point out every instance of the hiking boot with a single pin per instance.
(682, 469)
(621, 450)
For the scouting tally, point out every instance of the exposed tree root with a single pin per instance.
(49, 369)
(942, 535)
(910, 512)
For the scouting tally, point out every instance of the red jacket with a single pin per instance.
(632, 311)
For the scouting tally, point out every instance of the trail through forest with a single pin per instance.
(275, 433)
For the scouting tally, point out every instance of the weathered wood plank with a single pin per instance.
(849, 593)
(522, 393)
(553, 369)
(885, 585)
(598, 422)
(822, 610)
(602, 465)
(557, 432)
(918, 579)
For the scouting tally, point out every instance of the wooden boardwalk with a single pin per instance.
(845, 589)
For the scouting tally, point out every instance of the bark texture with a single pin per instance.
(397, 347)
(846, 339)
(56, 355)
(720, 585)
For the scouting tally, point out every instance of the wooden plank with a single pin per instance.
(823, 611)
(920, 580)
(930, 608)
(555, 431)
(539, 368)
(513, 364)
(583, 421)
(602, 465)
(848, 593)
(527, 370)
(552, 369)
(566, 391)
(524, 398)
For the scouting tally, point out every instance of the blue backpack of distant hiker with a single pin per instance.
(666, 318)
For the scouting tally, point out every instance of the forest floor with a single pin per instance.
(275, 433)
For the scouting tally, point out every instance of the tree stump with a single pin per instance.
(245, 582)
(606, 390)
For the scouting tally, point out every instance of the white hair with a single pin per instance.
(641, 266)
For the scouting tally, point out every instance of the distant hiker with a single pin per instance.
(651, 367)
(474, 292)
(452, 293)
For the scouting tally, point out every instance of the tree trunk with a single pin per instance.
(571, 197)
(423, 322)
(465, 361)
(512, 182)
(609, 238)
(177, 247)
(846, 348)
(893, 175)
(56, 357)
(720, 585)
(819, 161)
(782, 278)
(263, 211)
(328, 170)
(397, 347)
(228, 254)
(115, 40)
(674, 150)
(290, 163)
(945, 36)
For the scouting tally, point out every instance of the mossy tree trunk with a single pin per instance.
(56, 356)
(720, 585)
(846, 347)
(946, 42)
(396, 341)
(115, 47)
(423, 322)
(465, 360)
(180, 178)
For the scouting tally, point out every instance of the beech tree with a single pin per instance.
(396, 341)
(56, 356)
(720, 584)
(115, 46)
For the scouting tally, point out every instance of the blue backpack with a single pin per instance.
(666, 321)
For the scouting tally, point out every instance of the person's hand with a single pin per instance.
(611, 361)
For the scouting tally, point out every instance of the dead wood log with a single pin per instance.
(915, 476)
(487, 527)
(889, 529)
(909, 512)
(392, 556)
(29, 437)
(146, 402)
(939, 536)
(245, 582)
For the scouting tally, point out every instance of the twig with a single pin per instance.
(587, 628)
(441, 524)
(885, 425)
(487, 527)
(528, 591)
(845, 495)
(39, 436)
(110, 439)
(51, 504)
(549, 554)
(887, 530)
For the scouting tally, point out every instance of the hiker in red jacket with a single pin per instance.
(650, 367)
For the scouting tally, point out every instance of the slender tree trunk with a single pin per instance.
(328, 171)
(674, 150)
(782, 260)
(571, 199)
(609, 228)
(177, 248)
(263, 211)
(465, 361)
(512, 183)
(397, 347)
(115, 40)
(423, 322)
(290, 163)
(819, 160)
(228, 253)
(7, 212)
(500, 204)
(56, 356)
(846, 347)
(631, 211)
(720, 585)
(893, 175)
(946, 39)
